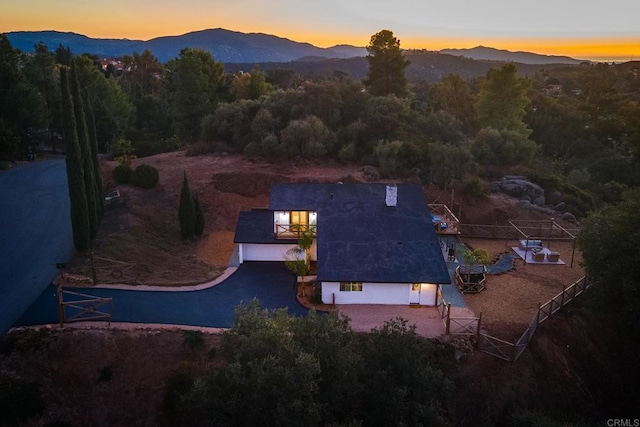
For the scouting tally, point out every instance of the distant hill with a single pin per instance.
(240, 51)
(491, 54)
(425, 66)
(224, 45)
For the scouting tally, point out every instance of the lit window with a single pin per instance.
(415, 287)
(350, 286)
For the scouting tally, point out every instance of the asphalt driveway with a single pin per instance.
(35, 233)
(270, 282)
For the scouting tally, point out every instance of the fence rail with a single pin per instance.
(507, 232)
(455, 325)
(512, 351)
(83, 308)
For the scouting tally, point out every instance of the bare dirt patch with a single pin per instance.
(511, 299)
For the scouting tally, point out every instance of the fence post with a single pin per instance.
(538, 316)
(478, 331)
(448, 318)
(564, 289)
(60, 304)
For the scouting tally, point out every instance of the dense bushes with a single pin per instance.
(122, 174)
(314, 370)
(145, 176)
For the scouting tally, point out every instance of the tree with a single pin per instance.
(609, 244)
(387, 66)
(307, 138)
(112, 108)
(196, 79)
(258, 85)
(41, 72)
(314, 370)
(93, 143)
(503, 148)
(87, 156)
(187, 211)
(75, 174)
(502, 100)
(453, 95)
(63, 55)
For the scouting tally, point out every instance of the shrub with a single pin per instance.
(122, 174)
(474, 187)
(178, 384)
(145, 176)
(193, 339)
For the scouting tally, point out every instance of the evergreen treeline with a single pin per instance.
(574, 129)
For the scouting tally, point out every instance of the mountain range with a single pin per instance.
(235, 47)
(225, 46)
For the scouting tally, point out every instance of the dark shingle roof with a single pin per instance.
(256, 226)
(362, 239)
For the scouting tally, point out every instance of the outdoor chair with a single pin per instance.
(538, 256)
(553, 257)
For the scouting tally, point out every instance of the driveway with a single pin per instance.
(35, 233)
(270, 282)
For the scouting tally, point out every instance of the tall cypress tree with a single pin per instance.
(93, 143)
(75, 175)
(187, 211)
(85, 149)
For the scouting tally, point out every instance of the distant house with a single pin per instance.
(374, 244)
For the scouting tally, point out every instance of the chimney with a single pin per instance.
(391, 198)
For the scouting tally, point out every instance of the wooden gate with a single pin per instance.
(83, 307)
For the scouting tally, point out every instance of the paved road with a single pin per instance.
(35, 233)
(270, 282)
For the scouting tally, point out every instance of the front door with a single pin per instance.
(414, 295)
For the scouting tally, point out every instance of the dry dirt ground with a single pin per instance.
(139, 237)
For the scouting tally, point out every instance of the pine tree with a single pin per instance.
(85, 149)
(199, 216)
(93, 143)
(387, 66)
(186, 212)
(75, 176)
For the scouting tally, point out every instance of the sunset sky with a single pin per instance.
(597, 30)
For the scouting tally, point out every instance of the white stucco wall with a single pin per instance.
(378, 293)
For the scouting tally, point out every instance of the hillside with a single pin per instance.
(483, 53)
(224, 45)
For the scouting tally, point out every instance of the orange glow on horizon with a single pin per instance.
(598, 49)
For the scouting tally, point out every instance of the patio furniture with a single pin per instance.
(553, 257)
(530, 244)
(538, 256)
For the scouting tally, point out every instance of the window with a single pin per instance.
(415, 287)
(299, 217)
(350, 286)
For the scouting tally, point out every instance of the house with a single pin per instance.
(374, 244)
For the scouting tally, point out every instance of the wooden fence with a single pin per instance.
(511, 351)
(466, 326)
(507, 232)
(83, 308)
